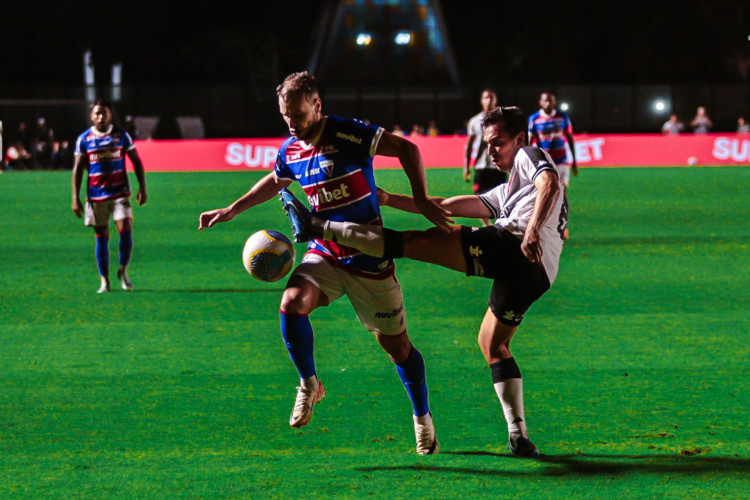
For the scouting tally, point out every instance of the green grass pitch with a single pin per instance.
(635, 363)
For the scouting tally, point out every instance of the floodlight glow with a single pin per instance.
(564, 106)
(364, 39)
(660, 105)
(403, 38)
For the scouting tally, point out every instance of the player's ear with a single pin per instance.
(520, 139)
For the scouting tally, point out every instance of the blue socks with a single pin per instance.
(412, 373)
(298, 336)
(126, 247)
(102, 255)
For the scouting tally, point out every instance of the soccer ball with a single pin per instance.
(268, 255)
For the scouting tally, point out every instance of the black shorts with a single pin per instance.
(487, 178)
(492, 252)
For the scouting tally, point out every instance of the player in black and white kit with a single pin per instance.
(486, 174)
(520, 252)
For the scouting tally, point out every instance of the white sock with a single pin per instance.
(510, 394)
(364, 237)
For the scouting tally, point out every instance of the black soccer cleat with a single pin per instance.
(299, 216)
(522, 447)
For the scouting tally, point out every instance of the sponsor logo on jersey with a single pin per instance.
(475, 251)
(349, 137)
(105, 155)
(338, 192)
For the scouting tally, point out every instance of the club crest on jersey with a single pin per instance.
(326, 166)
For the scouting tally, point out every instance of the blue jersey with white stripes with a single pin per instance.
(335, 171)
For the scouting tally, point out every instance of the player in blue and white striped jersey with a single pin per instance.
(331, 158)
(101, 151)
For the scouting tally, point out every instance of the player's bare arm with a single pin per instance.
(469, 206)
(411, 161)
(263, 190)
(467, 157)
(571, 143)
(548, 190)
(79, 165)
(140, 173)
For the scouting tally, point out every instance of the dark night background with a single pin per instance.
(258, 42)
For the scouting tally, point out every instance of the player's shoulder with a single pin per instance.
(349, 130)
(533, 154)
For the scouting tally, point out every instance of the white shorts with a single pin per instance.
(563, 169)
(99, 212)
(379, 304)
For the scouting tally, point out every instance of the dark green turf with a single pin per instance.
(635, 363)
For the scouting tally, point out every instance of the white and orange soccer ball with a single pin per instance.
(268, 255)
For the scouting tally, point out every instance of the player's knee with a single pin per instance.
(294, 301)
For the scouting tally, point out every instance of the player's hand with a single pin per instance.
(77, 207)
(383, 197)
(531, 246)
(467, 175)
(435, 213)
(213, 217)
(141, 196)
(574, 168)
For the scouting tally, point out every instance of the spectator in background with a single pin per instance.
(701, 124)
(61, 158)
(416, 130)
(17, 157)
(24, 136)
(432, 129)
(743, 128)
(673, 126)
(42, 148)
(397, 130)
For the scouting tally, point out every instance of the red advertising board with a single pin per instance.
(605, 150)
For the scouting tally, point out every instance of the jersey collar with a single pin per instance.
(102, 134)
(316, 139)
(545, 115)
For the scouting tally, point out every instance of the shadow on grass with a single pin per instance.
(583, 464)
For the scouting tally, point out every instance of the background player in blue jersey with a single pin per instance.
(551, 130)
(331, 158)
(520, 252)
(101, 151)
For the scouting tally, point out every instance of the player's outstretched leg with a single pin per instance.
(300, 217)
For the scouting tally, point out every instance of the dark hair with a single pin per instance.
(102, 102)
(512, 118)
(297, 85)
(106, 104)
